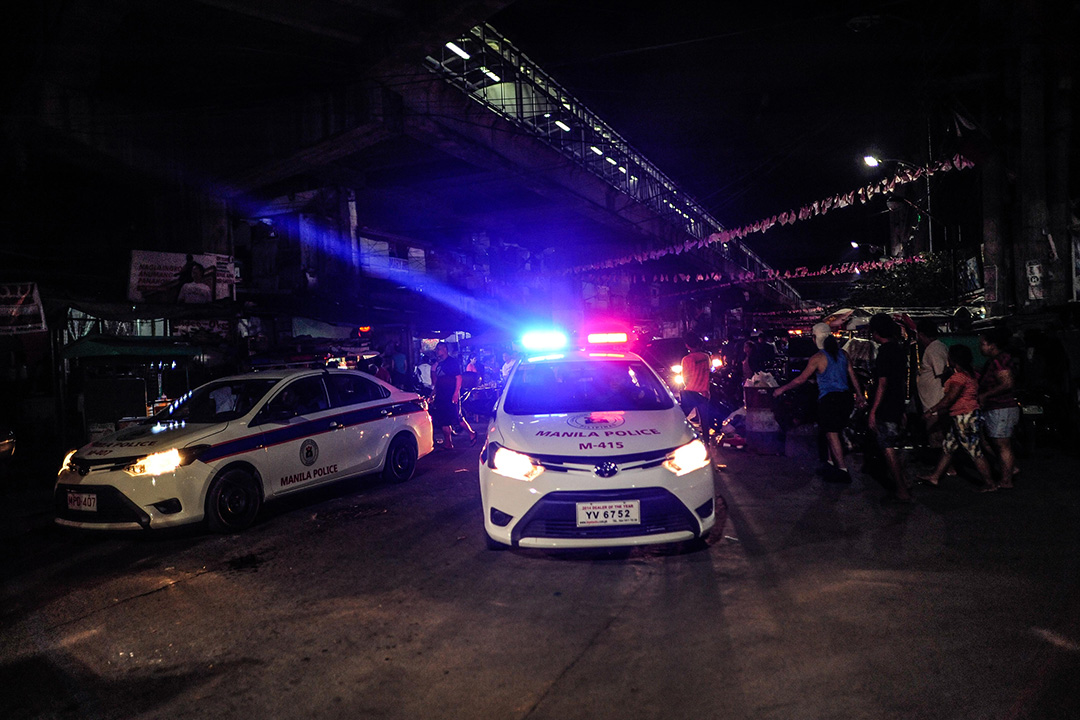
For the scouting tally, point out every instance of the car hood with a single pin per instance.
(147, 438)
(598, 434)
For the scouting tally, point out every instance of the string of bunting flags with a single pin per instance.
(749, 276)
(861, 196)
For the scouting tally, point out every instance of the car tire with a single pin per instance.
(400, 459)
(233, 501)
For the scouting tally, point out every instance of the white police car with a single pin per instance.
(590, 449)
(220, 451)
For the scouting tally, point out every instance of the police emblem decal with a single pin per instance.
(309, 452)
(596, 420)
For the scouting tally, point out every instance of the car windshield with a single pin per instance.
(577, 386)
(217, 401)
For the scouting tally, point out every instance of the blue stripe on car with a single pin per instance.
(310, 428)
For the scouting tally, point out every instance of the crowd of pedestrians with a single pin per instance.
(935, 395)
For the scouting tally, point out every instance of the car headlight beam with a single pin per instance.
(156, 464)
(691, 456)
(515, 465)
(67, 465)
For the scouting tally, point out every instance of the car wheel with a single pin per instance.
(400, 459)
(233, 501)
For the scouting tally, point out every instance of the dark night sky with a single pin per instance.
(758, 108)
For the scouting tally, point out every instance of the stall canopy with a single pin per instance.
(847, 319)
(103, 346)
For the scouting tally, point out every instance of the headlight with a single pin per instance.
(676, 369)
(691, 456)
(156, 464)
(678, 379)
(66, 465)
(515, 465)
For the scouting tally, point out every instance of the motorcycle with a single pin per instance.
(478, 403)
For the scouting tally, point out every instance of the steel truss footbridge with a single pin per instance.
(490, 70)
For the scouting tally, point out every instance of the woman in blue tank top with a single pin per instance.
(835, 379)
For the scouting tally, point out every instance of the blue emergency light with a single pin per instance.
(543, 340)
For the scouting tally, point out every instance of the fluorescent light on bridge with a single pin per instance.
(562, 126)
(458, 51)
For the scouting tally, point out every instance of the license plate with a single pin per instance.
(86, 502)
(619, 512)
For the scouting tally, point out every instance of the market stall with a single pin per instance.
(113, 378)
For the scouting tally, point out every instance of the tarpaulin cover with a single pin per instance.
(132, 347)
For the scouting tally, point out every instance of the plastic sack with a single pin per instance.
(762, 379)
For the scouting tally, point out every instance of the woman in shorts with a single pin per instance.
(835, 379)
(962, 404)
(997, 400)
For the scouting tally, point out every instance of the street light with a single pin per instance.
(869, 248)
(874, 161)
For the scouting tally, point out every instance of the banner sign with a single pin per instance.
(163, 277)
(20, 309)
(1036, 291)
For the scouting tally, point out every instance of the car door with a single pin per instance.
(362, 406)
(304, 442)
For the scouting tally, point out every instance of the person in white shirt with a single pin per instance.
(196, 291)
(423, 371)
(507, 366)
(930, 382)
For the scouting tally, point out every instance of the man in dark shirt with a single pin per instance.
(446, 410)
(887, 412)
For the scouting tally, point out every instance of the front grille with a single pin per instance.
(112, 506)
(84, 466)
(555, 516)
(633, 461)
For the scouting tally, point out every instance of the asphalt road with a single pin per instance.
(379, 601)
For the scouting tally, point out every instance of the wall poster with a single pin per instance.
(164, 277)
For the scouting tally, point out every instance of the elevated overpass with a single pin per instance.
(440, 142)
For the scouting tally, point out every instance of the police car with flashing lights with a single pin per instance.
(222, 450)
(588, 448)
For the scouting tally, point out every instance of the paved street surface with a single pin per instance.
(380, 601)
